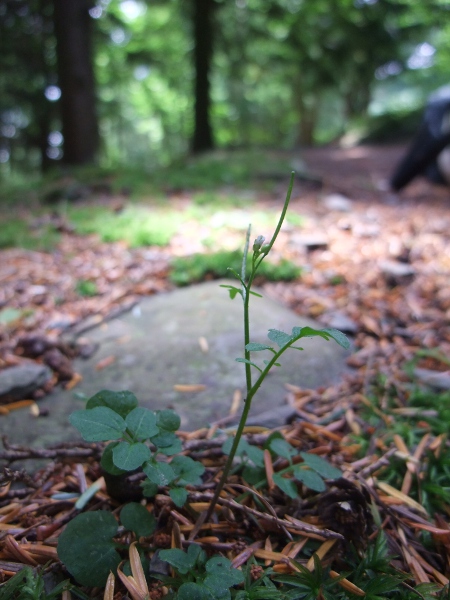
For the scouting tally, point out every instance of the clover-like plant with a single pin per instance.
(139, 438)
(312, 471)
(283, 340)
(196, 577)
(88, 548)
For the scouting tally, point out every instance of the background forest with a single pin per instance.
(143, 83)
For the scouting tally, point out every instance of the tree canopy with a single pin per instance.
(145, 82)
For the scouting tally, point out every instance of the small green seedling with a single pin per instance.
(28, 585)
(87, 546)
(197, 578)
(139, 438)
(312, 472)
(283, 340)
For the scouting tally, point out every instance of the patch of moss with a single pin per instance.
(198, 267)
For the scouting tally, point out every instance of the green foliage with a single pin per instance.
(84, 287)
(393, 418)
(138, 437)
(29, 585)
(17, 232)
(136, 224)
(194, 268)
(284, 341)
(198, 578)
(87, 546)
(312, 472)
(87, 549)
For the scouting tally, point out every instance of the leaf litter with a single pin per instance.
(394, 318)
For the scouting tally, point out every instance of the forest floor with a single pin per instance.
(375, 264)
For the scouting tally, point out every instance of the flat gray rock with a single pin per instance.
(19, 382)
(188, 337)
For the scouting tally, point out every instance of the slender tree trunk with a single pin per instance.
(203, 46)
(76, 80)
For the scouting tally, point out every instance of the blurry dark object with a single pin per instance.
(429, 153)
(345, 508)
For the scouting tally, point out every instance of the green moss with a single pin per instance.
(197, 267)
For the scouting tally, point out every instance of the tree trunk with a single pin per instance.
(76, 80)
(203, 45)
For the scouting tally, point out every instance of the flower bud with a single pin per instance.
(258, 243)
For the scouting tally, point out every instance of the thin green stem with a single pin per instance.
(251, 389)
(283, 214)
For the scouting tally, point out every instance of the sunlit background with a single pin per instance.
(282, 73)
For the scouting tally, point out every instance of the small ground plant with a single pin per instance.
(143, 439)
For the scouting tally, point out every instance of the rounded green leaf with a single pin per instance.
(120, 402)
(99, 424)
(129, 457)
(221, 575)
(194, 591)
(159, 473)
(311, 479)
(338, 337)
(179, 495)
(136, 517)
(255, 347)
(283, 448)
(179, 560)
(168, 420)
(187, 469)
(142, 423)
(87, 549)
(286, 485)
(321, 466)
(164, 439)
(107, 461)
(279, 337)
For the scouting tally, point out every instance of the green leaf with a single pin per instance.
(107, 461)
(167, 443)
(248, 362)
(98, 424)
(221, 575)
(255, 347)
(286, 485)
(175, 448)
(164, 439)
(233, 291)
(279, 337)
(338, 337)
(311, 479)
(253, 475)
(87, 549)
(120, 402)
(321, 466)
(187, 469)
(149, 489)
(142, 423)
(255, 454)
(159, 472)
(168, 420)
(283, 448)
(326, 334)
(136, 518)
(241, 448)
(194, 591)
(179, 495)
(129, 457)
(382, 584)
(183, 562)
